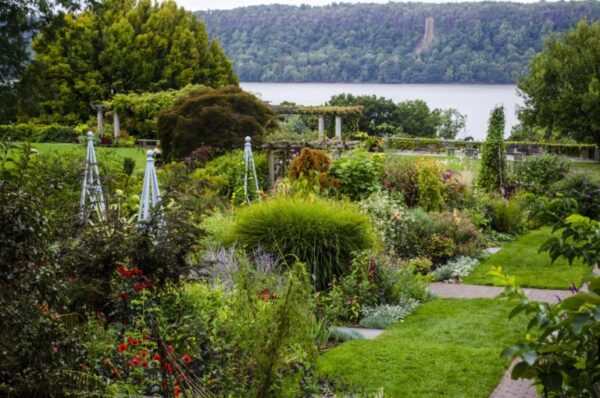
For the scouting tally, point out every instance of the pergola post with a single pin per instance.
(271, 166)
(338, 127)
(321, 127)
(116, 125)
(100, 110)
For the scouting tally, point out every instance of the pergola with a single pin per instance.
(321, 112)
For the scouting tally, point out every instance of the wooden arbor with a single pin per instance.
(321, 112)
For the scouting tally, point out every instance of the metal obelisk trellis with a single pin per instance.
(249, 167)
(91, 190)
(150, 191)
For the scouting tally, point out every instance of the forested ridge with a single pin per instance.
(487, 42)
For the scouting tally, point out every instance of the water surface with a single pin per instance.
(474, 100)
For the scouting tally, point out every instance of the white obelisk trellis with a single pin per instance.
(249, 167)
(91, 190)
(150, 191)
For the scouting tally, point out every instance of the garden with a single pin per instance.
(229, 284)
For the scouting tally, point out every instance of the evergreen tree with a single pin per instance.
(121, 46)
(492, 174)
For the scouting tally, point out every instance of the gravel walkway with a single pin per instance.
(508, 388)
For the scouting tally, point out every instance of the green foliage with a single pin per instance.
(320, 233)
(451, 122)
(377, 111)
(440, 248)
(538, 172)
(417, 119)
(139, 112)
(508, 215)
(460, 229)
(120, 47)
(562, 90)
(380, 316)
(431, 187)
(584, 189)
(358, 173)
(479, 42)
(215, 117)
(561, 350)
(401, 175)
(455, 269)
(38, 133)
(421, 265)
(492, 173)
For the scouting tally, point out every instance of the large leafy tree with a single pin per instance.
(562, 89)
(122, 46)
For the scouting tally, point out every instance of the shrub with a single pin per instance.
(401, 175)
(538, 172)
(431, 187)
(460, 229)
(421, 265)
(320, 233)
(358, 174)
(38, 133)
(456, 268)
(440, 248)
(309, 160)
(585, 189)
(492, 173)
(380, 316)
(507, 216)
(215, 117)
(230, 169)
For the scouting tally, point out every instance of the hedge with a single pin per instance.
(438, 145)
(38, 133)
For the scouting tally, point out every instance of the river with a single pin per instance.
(474, 100)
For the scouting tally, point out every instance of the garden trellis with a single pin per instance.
(150, 190)
(249, 170)
(92, 197)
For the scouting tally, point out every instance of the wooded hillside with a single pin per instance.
(472, 42)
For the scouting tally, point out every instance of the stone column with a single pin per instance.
(116, 124)
(321, 127)
(338, 127)
(100, 110)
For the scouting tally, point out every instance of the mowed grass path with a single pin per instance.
(522, 259)
(448, 348)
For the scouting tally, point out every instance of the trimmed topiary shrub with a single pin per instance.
(215, 117)
(492, 174)
(322, 234)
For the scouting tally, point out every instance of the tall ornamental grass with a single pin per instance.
(320, 233)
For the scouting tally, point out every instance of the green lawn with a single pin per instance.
(531, 268)
(106, 153)
(448, 348)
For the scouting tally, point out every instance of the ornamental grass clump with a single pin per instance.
(322, 234)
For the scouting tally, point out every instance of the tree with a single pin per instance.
(378, 114)
(121, 46)
(562, 89)
(416, 119)
(492, 174)
(214, 117)
(450, 123)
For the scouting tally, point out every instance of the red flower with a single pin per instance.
(46, 309)
(124, 296)
(177, 391)
(186, 358)
(134, 342)
(143, 353)
(123, 271)
(156, 357)
(168, 368)
(171, 349)
(138, 287)
(135, 272)
(122, 347)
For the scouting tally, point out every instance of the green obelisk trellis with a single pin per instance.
(91, 190)
(249, 171)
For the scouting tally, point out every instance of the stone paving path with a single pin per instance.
(458, 290)
(508, 388)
